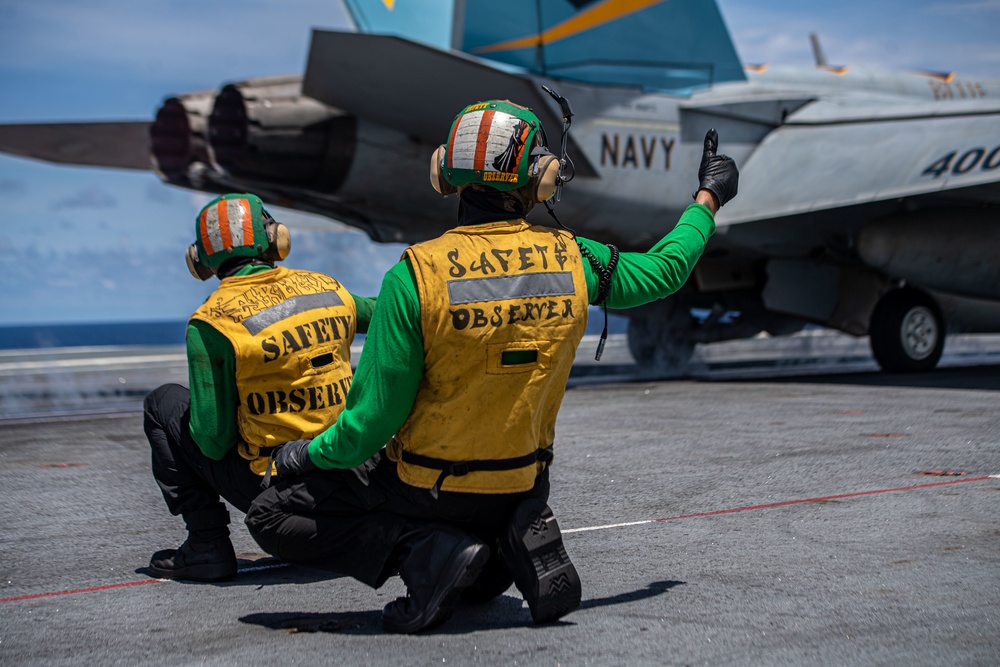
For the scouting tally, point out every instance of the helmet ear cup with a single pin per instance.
(197, 269)
(279, 241)
(545, 178)
(437, 175)
(541, 186)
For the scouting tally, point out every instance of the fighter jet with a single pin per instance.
(868, 202)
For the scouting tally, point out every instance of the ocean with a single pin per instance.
(33, 336)
(86, 335)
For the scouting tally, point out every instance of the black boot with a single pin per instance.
(533, 549)
(493, 582)
(438, 561)
(213, 560)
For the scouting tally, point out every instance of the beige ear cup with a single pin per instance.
(546, 179)
(437, 177)
(279, 242)
(197, 269)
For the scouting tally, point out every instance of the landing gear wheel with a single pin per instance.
(906, 332)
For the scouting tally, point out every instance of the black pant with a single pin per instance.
(350, 521)
(190, 481)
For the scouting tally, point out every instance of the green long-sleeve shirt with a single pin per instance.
(392, 362)
(212, 379)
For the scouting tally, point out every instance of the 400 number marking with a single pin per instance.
(969, 160)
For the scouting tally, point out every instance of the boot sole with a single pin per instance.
(542, 569)
(193, 573)
(466, 569)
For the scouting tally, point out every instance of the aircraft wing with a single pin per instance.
(124, 144)
(827, 155)
(414, 88)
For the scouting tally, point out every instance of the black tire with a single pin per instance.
(906, 332)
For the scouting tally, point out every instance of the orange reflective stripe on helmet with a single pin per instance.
(222, 222)
(206, 237)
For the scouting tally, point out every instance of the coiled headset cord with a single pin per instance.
(604, 275)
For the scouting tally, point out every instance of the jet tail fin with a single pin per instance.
(426, 21)
(674, 46)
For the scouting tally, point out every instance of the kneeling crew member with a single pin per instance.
(269, 357)
(463, 372)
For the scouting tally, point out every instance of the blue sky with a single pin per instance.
(85, 244)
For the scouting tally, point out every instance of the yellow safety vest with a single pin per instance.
(291, 332)
(503, 307)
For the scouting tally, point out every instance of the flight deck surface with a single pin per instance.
(847, 518)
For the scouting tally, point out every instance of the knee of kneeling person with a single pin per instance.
(265, 523)
(156, 397)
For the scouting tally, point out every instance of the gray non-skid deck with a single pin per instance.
(781, 521)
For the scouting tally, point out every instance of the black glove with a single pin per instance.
(718, 173)
(293, 459)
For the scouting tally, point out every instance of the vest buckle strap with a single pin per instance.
(270, 453)
(460, 468)
(266, 482)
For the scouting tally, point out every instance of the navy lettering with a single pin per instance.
(668, 147)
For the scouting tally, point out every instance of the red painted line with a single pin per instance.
(784, 503)
(92, 589)
(669, 518)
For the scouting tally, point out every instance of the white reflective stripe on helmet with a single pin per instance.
(228, 224)
(238, 217)
(479, 138)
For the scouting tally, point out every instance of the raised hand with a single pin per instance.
(717, 173)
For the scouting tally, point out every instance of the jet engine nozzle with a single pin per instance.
(178, 137)
(267, 130)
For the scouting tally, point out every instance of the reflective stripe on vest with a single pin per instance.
(503, 308)
(510, 287)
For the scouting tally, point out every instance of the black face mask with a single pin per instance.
(479, 204)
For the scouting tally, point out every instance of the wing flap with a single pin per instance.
(803, 168)
(124, 145)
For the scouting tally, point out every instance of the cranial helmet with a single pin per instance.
(498, 144)
(235, 225)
